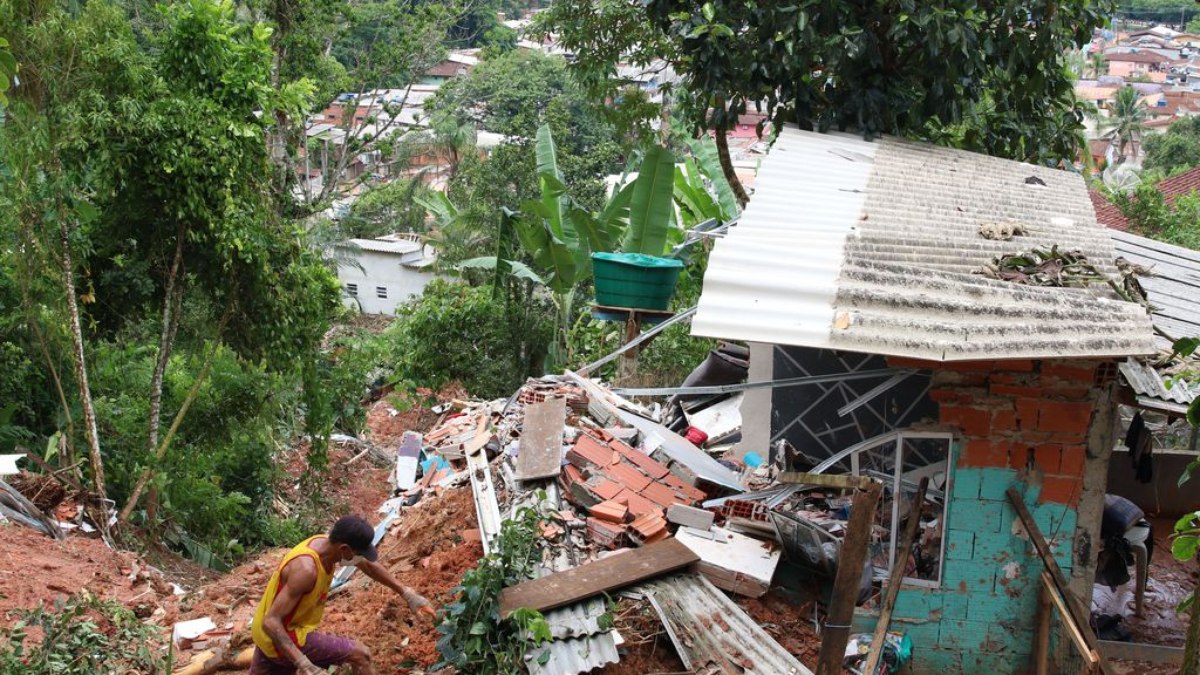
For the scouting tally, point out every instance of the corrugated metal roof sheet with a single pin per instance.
(383, 246)
(715, 631)
(579, 644)
(1173, 287)
(870, 247)
(1152, 391)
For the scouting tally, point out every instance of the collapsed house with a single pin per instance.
(865, 258)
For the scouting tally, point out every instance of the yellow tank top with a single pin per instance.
(307, 615)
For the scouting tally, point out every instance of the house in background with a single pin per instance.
(858, 258)
(379, 274)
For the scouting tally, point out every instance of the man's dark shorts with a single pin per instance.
(322, 649)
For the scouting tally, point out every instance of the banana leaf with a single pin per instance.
(516, 268)
(651, 207)
(705, 152)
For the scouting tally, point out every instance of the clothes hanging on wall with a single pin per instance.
(1141, 447)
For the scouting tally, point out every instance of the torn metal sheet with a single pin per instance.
(675, 446)
(714, 632)
(487, 509)
(1152, 391)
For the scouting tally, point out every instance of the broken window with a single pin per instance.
(351, 289)
(899, 460)
(381, 291)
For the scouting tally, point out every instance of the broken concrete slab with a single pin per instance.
(690, 516)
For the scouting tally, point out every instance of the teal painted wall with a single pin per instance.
(982, 618)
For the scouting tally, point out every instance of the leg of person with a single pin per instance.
(326, 650)
(261, 665)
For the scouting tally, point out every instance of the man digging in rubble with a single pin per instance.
(285, 622)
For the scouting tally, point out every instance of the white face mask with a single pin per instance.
(353, 562)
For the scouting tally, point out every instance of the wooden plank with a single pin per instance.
(542, 439)
(1078, 616)
(1136, 651)
(1041, 643)
(596, 577)
(841, 481)
(849, 574)
(897, 578)
(1089, 655)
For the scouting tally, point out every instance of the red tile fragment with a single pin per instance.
(638, 505)
(661, 494)
(612, 511)
(627, 475)
(655, 470)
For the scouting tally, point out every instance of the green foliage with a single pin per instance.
(454, 332)
(651, 207)
(216, 486)
(1127, 119)
(907, 68)
(474, 639)
(81, 635)
(391, 207)
(1148, 212)
(8, 69)
(1175, 151)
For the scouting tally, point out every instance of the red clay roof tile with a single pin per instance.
(628, 475)
(638, 505)
(643, 461)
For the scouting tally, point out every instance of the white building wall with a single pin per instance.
(381, 274)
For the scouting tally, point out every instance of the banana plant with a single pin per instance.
(697, 203)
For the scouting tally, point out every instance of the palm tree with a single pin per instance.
(1096, 64)
(1126, 121)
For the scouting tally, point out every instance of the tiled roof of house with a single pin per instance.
(1183, 184)
(1137, 57)
(1107, 213)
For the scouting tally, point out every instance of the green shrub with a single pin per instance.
(82, 635)
(454, 332)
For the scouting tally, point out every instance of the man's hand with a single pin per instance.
(307, 667)
(416, 602)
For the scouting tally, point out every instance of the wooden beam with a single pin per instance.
(1041, 643)
(840, 481)
(1076, 613)
(1089, 655)
(596, 577)
(1135, 651)
(836, 631)
(897, 578)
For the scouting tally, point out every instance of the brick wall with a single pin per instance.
(1017, 423)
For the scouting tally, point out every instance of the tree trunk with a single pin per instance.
(727, 168)
(161, 451)
(172, 299)
(85, 390)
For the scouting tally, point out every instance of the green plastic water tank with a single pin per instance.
(634, 280)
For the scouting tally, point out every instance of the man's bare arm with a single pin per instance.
(416, 602)
(295, 581)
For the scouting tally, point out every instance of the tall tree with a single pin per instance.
(1126, 121)
(886, 67)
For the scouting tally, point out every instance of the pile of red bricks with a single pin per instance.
(625, 491)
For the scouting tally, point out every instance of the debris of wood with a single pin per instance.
(599, 576)
(853, 555)
(15, 506)
(903, 549)
(1073, 608)
(542, 440)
